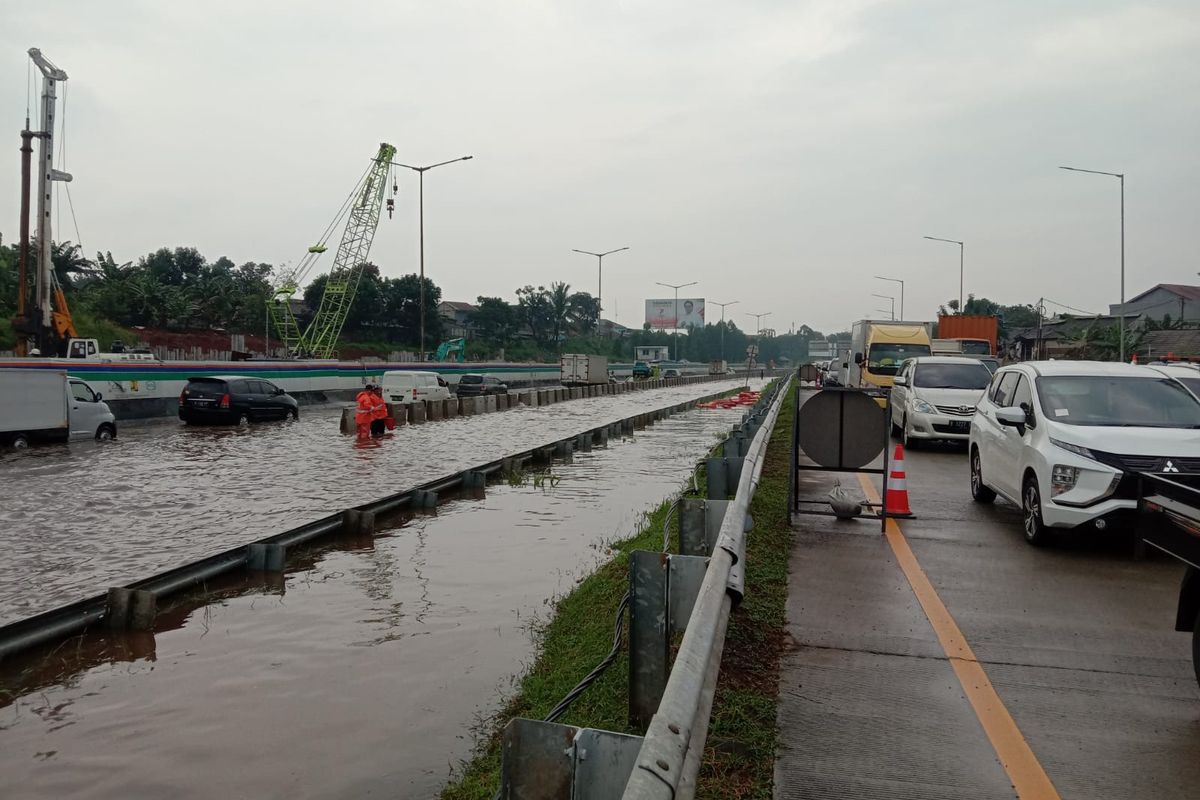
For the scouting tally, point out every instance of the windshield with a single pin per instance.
(952, 376)
(1118, 402)
(471, 379)
(884, 358)
(977, 347)
(1191, 383)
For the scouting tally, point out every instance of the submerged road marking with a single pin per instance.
(1024, 770)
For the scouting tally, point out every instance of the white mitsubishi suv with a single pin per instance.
(1061, 439)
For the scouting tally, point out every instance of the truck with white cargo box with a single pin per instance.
(47, 405)
(583, 370)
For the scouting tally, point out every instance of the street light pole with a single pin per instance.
(1121, 177)
(722, 305)
(758, 322)
(889, 297)
(960, 267)
(421, 284)
(599, 278)
(676, 287)
(896, 280)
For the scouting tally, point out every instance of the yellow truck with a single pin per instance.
(878, 347)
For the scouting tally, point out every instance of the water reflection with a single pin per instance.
(76, 520)
(356, 673)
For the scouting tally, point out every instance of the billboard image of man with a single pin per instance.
(691, 314)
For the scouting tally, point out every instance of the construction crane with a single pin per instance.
(49, 321)
(319, 338)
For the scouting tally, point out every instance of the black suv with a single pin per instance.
(476, 385)
(234, 399)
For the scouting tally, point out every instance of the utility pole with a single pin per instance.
(676, 287)
(893, 301)
(897, 280)
(722, 305)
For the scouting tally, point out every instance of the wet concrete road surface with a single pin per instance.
(359, 673)
(1075, 639)
(76, 520)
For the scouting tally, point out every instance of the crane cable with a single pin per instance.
(310, 258)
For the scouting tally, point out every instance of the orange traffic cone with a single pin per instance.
(897, 486)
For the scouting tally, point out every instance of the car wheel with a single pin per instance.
(1031, 508)
(979, 492)
(295, 413)
(243, 419)
(106, 433)
(909, 443)
(20, 442)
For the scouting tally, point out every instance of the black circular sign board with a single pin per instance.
(841, 429)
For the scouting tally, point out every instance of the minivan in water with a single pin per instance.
(406, 386)
(479, 385)
(234, 400)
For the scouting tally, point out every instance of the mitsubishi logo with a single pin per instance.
(1170, 467)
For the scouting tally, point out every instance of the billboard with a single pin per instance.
(662, 314)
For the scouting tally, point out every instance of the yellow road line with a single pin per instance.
(1018, 760)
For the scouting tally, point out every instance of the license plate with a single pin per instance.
(960, 427)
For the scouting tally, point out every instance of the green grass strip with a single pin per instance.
(740, 752)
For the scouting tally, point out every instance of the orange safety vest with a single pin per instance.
(380, 411)
(366, 408)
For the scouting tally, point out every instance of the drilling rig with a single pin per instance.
(47, 321)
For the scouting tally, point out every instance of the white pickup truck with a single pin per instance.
(49, 405)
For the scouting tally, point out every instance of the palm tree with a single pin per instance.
(69, 261)
(560, 310)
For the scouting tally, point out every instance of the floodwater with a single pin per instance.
(76, 520)
(363, 670)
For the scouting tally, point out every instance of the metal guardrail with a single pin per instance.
(134, 606)
(669, 593)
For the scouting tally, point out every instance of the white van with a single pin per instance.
(49, 405)
(405, 386)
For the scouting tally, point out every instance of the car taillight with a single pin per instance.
(225, 400)
(414, 393)
(182, 396)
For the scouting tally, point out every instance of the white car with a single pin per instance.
(1061, 440)
(934, 397)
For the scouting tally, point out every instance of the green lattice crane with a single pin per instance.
(319, 339)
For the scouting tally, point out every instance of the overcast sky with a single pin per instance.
(780, 153)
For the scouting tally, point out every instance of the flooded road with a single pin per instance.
(360, 672)
(80, 519)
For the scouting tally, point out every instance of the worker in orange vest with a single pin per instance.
(379, 414)
(365, 411)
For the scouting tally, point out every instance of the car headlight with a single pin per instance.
(921, 407)
(1063, 479)
(1074, 448)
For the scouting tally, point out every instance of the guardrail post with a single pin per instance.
(267, 557)
(130, 609)
(416, 412)
(423, 498)
(474, 479)
(583, 442)
(435, 410)
(648, 640)
(691, 527)
(600, 436)
(564, 449)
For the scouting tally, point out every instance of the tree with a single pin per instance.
(559, 300)
(495, 320)
(534, 305)
(583, 312)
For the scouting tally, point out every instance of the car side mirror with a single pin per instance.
(900, 380)
(99, 397)
(858, 358)
(1013, 417)
(279, 391)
